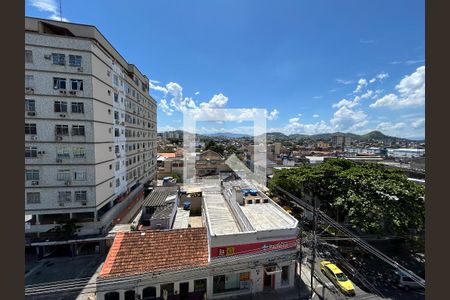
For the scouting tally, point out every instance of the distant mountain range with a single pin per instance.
(371, 136)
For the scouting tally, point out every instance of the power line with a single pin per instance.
(355, 238)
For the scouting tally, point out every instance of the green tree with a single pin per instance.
(211, 145)
(372, 198)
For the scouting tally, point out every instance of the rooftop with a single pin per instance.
(159, 195)
(225, 216)
(134, 253)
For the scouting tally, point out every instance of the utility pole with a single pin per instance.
(313, 263)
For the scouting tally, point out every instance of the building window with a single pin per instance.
(117, 182)
(30, 128)
(30, 105)
(30, 152)
(78, 107)
(200, 285)
(116, 115)
(231, 282)
(116, 97)
(169, 287)
(80, 175)
(75, 60)
(60, 106)
(285, 275)
(62, 129)
(116, 132)
(59, 59)
(80, 196)
(78, 130)
(62, 152)
(29, 81)
(28, 56)
(116, 79)
(32, 174)
(116, 148)
(33, 198)
(117, 165)
(76, 84)
(63, 175)
(64, 197)
(78, 152)
(59, 83)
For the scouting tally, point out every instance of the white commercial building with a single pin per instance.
(248, 244)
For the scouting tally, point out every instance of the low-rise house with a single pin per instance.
(159, 208)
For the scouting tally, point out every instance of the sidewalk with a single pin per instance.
(299, 291)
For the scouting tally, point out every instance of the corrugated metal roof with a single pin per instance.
(159, 195)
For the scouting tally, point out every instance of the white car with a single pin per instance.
(402, 280)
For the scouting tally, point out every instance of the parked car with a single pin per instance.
(337, 277)
(402, 280)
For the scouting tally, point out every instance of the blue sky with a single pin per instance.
(316, 66)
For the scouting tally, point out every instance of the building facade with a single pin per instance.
(90, 127)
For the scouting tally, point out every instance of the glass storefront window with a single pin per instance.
(231, 282)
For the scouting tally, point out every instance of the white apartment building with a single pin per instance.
(90, 127)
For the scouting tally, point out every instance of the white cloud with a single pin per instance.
(216, 101)
(299, 115)
(165, 107)
(389, 127)
(343, 81)
(372, 80)
(382, 76)
(410, 92)
(419, 123)
(273, 115)
(407, 62)
(317, 97)
(367, 94)
(153, 84)
(315, 116)
(196, 93)
(49, 6)
(346, 119)
(361, 84)
(295, 126)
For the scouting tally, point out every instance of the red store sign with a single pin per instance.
(253, 248)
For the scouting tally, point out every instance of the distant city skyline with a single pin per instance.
(317, 67)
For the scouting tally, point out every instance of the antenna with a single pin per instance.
(60, 11)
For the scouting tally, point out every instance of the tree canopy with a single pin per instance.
(373, 198)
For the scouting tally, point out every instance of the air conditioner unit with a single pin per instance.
(59, 138)
(33, 137)
(41, 152)
(47, 56)
(35, 182)
(80, 69)
(61, 203)
(117, 122)
(29, 90)
(67, 182)
(59, 160)
(31, 113)
(83, 202)
(62, 115)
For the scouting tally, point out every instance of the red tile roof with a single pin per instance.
(134, 253)
(167, 154)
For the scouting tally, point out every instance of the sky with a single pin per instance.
(315, 66)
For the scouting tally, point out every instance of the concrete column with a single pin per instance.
(37, 220)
